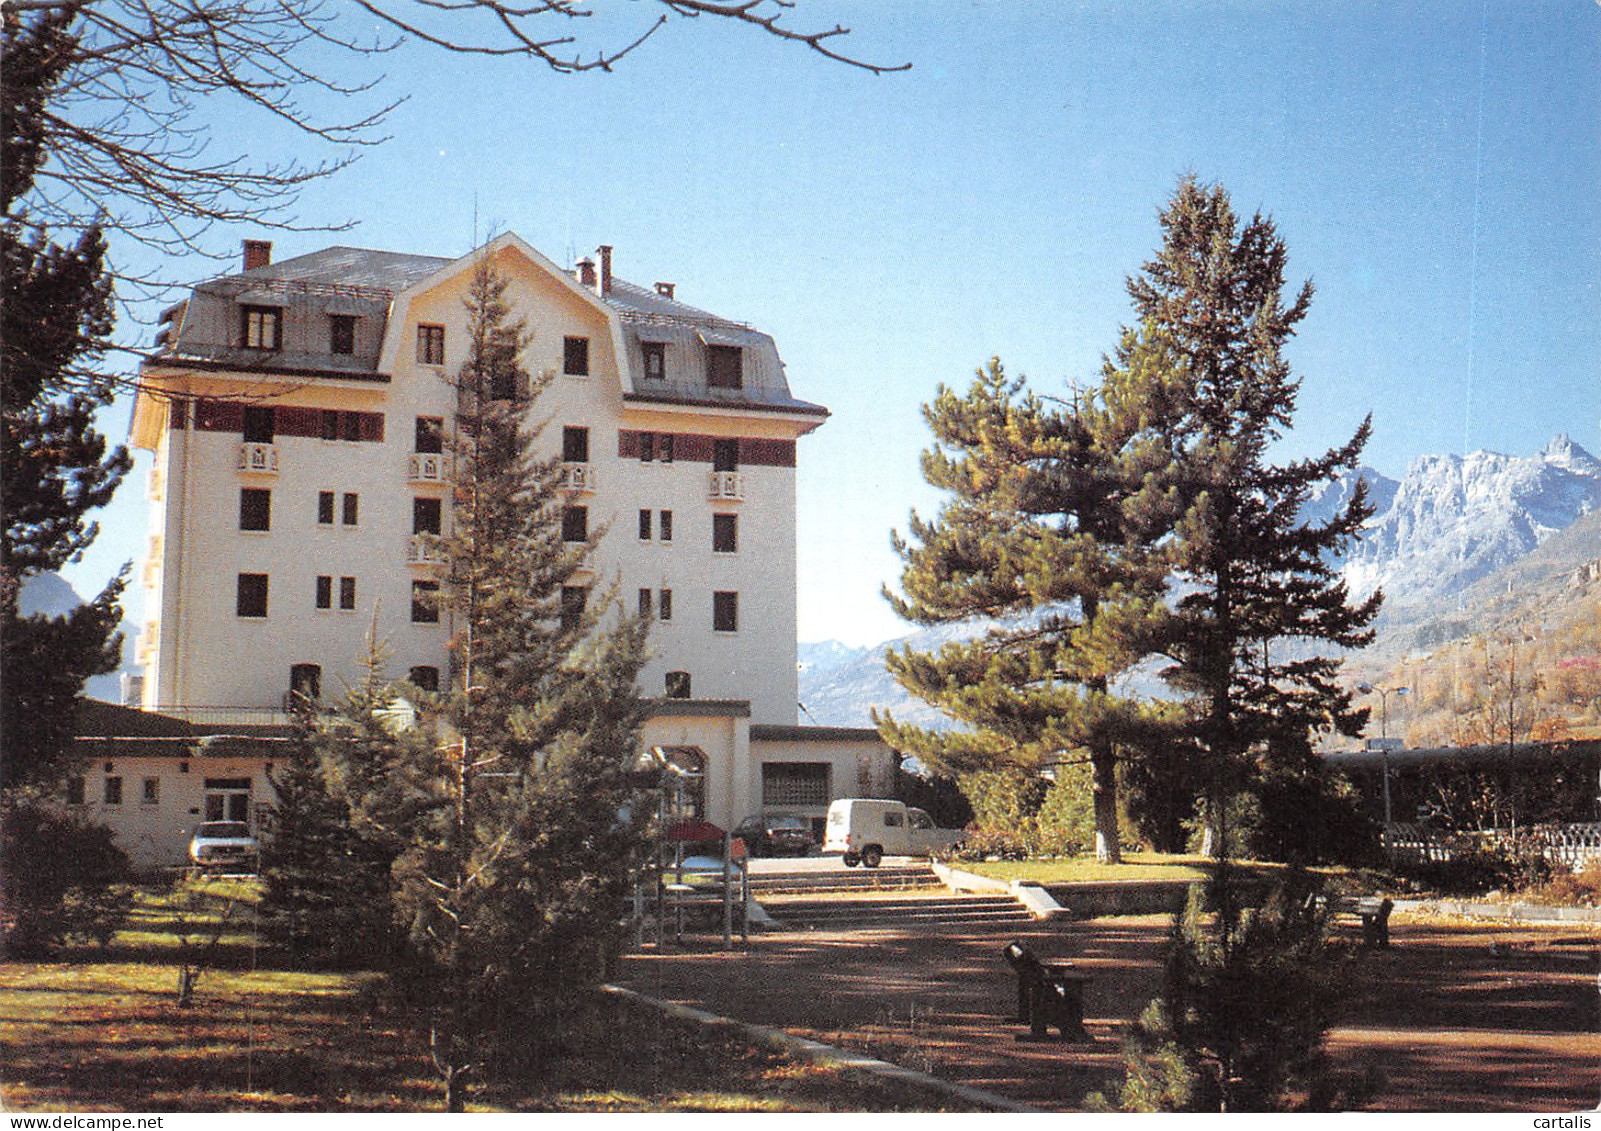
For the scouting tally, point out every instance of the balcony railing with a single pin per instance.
(156, 486)
(726, 485)
(425, 550)
(144, 651)
(258, 459)
(429, 467)
(578, 476)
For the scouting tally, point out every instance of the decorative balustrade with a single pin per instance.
(156, 485)
(425, 550)
(429, 467)
(258, 459)
(726, 485)
(578, 477)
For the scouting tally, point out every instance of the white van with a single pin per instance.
(865, 830)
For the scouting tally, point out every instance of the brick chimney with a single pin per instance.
(604, 251)
(586, 273)
(258, 253)
(665, 290)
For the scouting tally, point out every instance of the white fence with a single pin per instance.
(1574, 844)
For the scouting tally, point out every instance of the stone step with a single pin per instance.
(890, 912)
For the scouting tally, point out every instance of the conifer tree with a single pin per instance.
(1049, 524)
(512, 850)
(1258, 597)
(54, 465)
(325, 896)
(1244, 1009)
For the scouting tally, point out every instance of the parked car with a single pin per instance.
(775, 836)
(225, 844)
(867, 829)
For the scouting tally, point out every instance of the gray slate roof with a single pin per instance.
(363, 281)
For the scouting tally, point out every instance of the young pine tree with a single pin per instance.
(325, 899)
(1048, 526)
(513, 852)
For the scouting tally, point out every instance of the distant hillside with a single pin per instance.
(52, 595)
(1461, 546)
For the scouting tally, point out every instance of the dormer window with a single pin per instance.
(342, 333)
(724, 367)
(655, 360)
(261, 327)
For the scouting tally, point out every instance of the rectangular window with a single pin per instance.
(725, 612)
(666, 526)
(647, 447)
(425, 516)
(725, 533)
(645, 602)
(575, 357)
(251, 597)
(151, 793)
(575, 444)
(575, 524)
(261, 327)
(573, 600)
(328, 425)
(425, 602)
(350, 509)
(655, 360)
(724, 367)
(347, 592)
(75, 791)
(430, 435)
(664, 604)
(644, 525)
(350, 426)
(725, 455)
(664, 447)
(260, 424)
(677, 685)
(113, 794)
(426, 677)
(342, 333)
(431, 345)
(255, 508)
(325, 508)
(325, 592)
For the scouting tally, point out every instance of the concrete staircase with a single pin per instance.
(915, 911)
(911, 877)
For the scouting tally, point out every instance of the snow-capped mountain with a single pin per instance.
(1450, 522)
(1455, 519)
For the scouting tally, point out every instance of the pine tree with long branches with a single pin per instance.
(1049, 529)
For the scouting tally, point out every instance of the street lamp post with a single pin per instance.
(1384, 694)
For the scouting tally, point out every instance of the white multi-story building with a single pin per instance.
(297, 413)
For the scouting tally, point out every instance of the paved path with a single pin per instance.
(1457, 1016)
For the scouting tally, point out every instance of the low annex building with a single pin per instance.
(297, 414)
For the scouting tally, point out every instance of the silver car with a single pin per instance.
(225, 845)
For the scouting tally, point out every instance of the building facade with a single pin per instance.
(299, 416)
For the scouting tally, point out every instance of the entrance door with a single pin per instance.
(228, 799)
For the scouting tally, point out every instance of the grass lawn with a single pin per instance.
(102, 1031)
(1135, 866)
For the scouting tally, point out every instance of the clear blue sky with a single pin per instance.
(1434, 167)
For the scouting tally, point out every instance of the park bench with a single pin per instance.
(1049, 994)
(1373, 912)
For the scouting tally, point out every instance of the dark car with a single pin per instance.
(776, 836)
